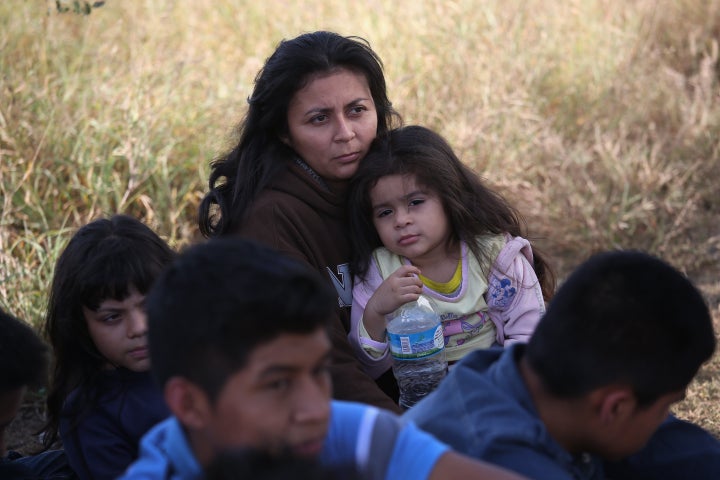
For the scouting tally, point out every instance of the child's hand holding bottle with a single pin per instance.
(402, 286)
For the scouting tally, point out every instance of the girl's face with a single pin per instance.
(331, 123)
(410, 220)
(119, 330)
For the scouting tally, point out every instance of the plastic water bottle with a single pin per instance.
(417, 345)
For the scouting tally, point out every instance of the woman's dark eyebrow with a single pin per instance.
(327, 110)
(358, 100)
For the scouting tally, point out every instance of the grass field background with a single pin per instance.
(599, 119)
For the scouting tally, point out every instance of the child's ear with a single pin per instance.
(187, 401)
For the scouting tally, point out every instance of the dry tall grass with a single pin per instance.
(599, 118)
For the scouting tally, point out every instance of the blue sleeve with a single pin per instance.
(342, 437)
(678, 450)
(415, 454)
(377, 445)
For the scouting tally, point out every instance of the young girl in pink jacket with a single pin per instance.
(424, 223)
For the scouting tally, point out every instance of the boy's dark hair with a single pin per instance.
(220, 300)
(239, 175)
(622, 317)
(472, 208)
(23, 355)
(262, 465)
(102, 260)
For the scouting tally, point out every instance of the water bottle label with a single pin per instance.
(411, 346)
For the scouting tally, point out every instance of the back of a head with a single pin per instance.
(23, 356)
(622, 317)
(223, 298)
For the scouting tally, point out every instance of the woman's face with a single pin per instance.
(331, 123)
